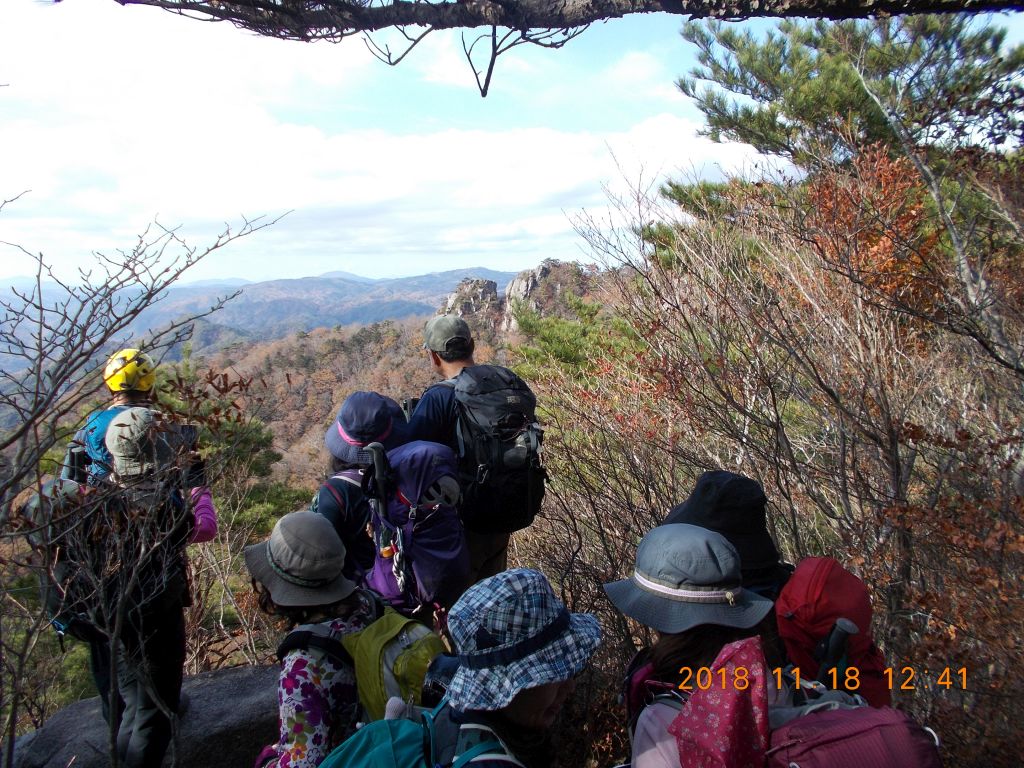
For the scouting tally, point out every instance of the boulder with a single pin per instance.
(229, 715)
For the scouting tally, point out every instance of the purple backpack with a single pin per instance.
(421, 557)
(853, 738)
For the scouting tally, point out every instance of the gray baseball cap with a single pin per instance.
(445, 333)
(686, 576)
(301, 563)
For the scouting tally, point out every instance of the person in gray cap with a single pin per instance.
(486, 415)
(298, 575)
(687, 586)
(449, 345)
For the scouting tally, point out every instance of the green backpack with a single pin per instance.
(390, 656)
(428, 743)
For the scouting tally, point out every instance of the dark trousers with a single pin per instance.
(150, 660)
(488, 554)
(148, 669)
(99, 663)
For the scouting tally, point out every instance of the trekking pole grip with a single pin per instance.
(380, 468)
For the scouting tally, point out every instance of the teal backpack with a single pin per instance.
(430, 742)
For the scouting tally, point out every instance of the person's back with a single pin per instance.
(297, 575)
(145, 581)
(686, 585)
(450, 346)
(519, 651)
(485, 414)
(364, 418)
(130, 376)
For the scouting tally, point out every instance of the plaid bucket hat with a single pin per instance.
(364, 418)
(686, 576)
(301, 563)
(511, 633)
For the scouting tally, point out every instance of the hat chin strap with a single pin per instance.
(519, 650)
(707, 595)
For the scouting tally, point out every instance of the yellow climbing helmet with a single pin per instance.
(130, 370)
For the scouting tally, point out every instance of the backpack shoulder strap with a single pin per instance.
(350, 476)
(486, 748)
(317, 636)
(451, 744)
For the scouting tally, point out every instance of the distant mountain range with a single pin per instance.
(276, 308)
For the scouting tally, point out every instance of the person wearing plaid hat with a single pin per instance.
(519, 651)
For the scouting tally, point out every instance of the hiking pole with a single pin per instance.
(381, 480)
(833, 647)
(380, 470)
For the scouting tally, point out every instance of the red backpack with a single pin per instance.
(818, 594)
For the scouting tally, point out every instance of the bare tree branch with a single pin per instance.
(336, 19)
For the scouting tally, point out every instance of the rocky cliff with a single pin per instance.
(544, 289)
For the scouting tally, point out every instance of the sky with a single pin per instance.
(113, 117)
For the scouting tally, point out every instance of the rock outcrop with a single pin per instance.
(521, 292)
(542, 289)
(473, 297)
(229, 716)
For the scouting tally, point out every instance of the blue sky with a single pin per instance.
(114, 116)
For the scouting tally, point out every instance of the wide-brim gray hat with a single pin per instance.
(301, 563)
(512, 633)
(686, 576)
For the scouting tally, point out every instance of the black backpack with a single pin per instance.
(498, 448)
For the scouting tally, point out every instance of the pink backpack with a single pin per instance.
(864, 737)
(726, 725)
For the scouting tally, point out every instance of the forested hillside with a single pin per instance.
(851, 335)
(303, 378)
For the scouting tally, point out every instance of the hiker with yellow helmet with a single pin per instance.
(130, 375)
(134, 459)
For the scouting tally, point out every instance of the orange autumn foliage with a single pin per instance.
(872, 225)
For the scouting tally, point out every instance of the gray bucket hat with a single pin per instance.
(301, 563)
(138, 445)
(686, 576)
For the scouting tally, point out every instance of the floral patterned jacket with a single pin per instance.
(317, 702)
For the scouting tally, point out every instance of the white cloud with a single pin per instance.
(117, 115)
